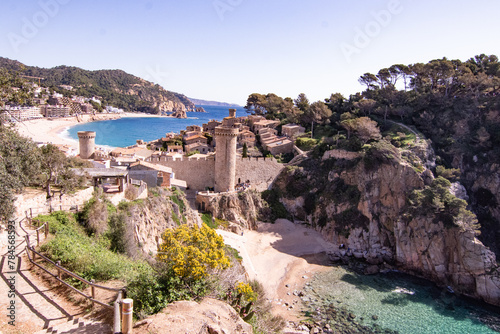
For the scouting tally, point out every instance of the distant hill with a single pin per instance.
(213, 103)
(113, 87)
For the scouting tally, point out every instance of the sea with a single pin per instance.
(126, 131)
(402, 303)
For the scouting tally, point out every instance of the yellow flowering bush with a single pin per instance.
(246, 290)
(191, 251)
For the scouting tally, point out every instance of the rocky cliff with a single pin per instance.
(242, 209)
(151, 217)
(384, 211)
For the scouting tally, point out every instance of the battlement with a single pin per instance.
(257, 159)
(163, 158)
(223, 131)
(86, 134)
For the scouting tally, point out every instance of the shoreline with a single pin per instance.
(50, 130)
(283, 257)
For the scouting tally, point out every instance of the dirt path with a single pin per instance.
(40, 307)
(282, 256)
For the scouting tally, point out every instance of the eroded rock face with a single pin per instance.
(241, 209)
(153, 216)
(211, 316)
(364, 209)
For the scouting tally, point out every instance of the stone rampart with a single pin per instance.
(198, 173)
(261, 172)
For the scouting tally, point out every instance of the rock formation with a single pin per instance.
(211, 316)
(153, 216)
(242, 209)
(365, 207)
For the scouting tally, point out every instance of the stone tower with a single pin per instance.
(87, 144)
(225, 153)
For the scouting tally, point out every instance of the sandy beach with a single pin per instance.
(282, 256)
(49, 130)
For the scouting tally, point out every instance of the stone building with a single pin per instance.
(225, 159)
(224, 169)
(292, 130)
(87, 144)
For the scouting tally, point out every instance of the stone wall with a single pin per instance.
(261, 172)
(148, 176)
(198, 173)
(37, 201)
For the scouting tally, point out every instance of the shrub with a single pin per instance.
(451, 174)
(191, 251)
(278, 210)
(381, 152)
(153, 291)
(436, 200)
(305, 144)
(131, 193)
(95, 214)
(87, 256)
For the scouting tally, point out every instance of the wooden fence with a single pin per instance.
(51, 208)
(33, 255)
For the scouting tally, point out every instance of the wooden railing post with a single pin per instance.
(59, 274)
(38, 237)
(117, 323)
(31, 213)
(46, 229)
(92, 288)
(127, 311)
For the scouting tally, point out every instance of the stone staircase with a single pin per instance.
(40, 306)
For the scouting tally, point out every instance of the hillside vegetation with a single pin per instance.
(453, 103)
(114, 87)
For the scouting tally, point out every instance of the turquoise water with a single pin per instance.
(125, 131)
(403, 303)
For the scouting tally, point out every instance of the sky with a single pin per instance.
(224, 50)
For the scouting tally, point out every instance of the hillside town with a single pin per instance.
(51, 104)
(167, 161)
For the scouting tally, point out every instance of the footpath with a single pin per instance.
(39, 306)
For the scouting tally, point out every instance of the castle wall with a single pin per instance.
(261, 172)
(198, 173)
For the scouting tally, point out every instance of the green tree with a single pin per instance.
(302, 102)
(366, 129)
(19, 163)
(369, 80)
(318, 112)
(13, 89)
(245, 151)
(56, 170)
(255, 104)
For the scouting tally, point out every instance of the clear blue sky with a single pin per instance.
(225, 50)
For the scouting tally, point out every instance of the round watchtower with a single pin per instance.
(225, 158)
(87, 144)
